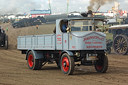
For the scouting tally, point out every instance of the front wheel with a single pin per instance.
(67, 64)
(33, 63)
(101, 64)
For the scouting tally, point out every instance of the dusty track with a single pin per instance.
(14, 70)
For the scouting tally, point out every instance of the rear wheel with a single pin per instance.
(67, 64)
(33, 63)
(101, 64)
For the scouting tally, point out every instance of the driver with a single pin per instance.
(64, 27)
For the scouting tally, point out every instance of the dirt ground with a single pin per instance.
(14, 70)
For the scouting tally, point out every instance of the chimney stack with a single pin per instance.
(89, 14)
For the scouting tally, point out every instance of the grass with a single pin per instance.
(109, 36)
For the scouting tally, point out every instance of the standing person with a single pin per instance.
(37, 26)
(1, 30)
(7, 29)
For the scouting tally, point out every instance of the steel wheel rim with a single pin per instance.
(65, 64)
(30, 60)
(120, 45)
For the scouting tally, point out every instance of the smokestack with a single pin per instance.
(90, 13)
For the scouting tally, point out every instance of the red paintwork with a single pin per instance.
(94, 46)
(73, 47)
(58, 35)
(93, 42)
(30, 60)
(36, 15)
(65, 41)
(65, 61)
(59, 42)
(93, 37)
(59, 39)
(88, 42)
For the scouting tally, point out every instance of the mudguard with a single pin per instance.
(68, 52)
(37, 54)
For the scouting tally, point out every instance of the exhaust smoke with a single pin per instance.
(95, 4)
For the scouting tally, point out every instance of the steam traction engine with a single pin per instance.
(120, 38)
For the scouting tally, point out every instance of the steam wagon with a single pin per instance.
(80, 42)
(120, 38)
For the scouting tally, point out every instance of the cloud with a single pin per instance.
(15, 6)
(123, 4)
(74, 5)
(21, 6)
(58, 6)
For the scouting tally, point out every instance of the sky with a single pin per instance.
(57, 6)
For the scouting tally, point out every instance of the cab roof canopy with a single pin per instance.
(86, 18)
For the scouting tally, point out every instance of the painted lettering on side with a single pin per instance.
(94, 46)
(93, 42)
(59, 42)
(73, 47)
(58, 35)
(59, 39)
(94, 37)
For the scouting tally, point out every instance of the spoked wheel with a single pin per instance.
(33, 63)
(67, 64)
(120, 44)
(101, 64)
